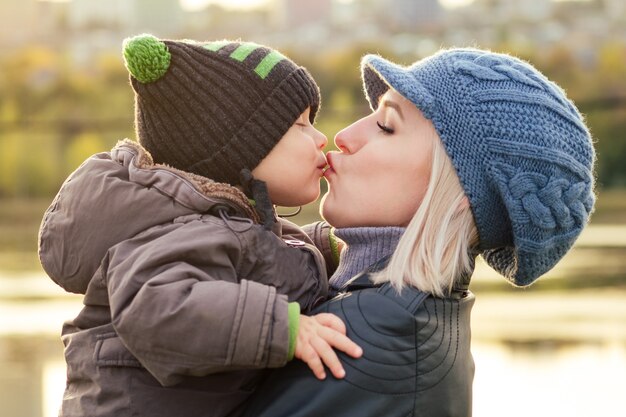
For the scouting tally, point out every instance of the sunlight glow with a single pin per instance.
(53, 387)
(451, 4)
(250, 4)
(227, 4)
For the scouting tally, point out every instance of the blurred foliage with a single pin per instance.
(54, 114)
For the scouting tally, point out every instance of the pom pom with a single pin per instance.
(146, 58)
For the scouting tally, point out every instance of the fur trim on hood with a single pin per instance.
(112, 197)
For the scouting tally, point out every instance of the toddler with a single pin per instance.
(192, 284)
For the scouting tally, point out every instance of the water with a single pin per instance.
(518, 374)
(575, 380)
(560, 351)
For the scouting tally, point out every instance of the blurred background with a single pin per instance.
(556, 348)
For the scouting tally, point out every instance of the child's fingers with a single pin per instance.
(310, 356)
(332, 321)
(304, 351)
(341, 342)
(328, 357)
(317, 338)
(315, 364)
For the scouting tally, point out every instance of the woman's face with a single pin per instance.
(380, 175)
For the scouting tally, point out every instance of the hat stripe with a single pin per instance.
(268, 63)
(216, 46)
(264, 67)
(243, 51)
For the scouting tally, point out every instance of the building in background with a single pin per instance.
(292, 14)
(412, 15)
(86, 28)
(498, 11)
(126, 15)
(164, 16)
(17, 16)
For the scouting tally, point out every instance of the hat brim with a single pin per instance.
(379, 75)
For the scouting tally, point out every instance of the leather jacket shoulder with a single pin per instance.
(416, 359)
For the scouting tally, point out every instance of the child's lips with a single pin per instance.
(322, 165)
(330, 170)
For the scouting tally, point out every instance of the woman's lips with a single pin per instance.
(330, 170)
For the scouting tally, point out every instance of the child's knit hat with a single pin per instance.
(520, 148)
(214, 108)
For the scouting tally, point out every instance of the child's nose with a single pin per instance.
(320, 139)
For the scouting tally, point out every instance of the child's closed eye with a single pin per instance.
(302, 122)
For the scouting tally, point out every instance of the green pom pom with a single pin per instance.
(146, 58)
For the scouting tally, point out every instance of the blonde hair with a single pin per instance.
(435, 249)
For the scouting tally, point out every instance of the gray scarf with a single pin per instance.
(364, 246)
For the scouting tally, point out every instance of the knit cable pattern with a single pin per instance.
(550, 203)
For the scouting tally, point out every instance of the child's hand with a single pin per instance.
(317, 336)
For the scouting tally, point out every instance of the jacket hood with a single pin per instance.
(113, 196)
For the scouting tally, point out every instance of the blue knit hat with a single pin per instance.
(519, 146)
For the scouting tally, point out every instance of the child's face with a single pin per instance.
(292, 170)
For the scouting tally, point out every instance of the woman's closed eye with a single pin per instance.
(384, 128)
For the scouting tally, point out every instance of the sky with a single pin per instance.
(246, 4)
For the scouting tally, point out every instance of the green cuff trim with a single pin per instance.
(293, 313)
(334, 247)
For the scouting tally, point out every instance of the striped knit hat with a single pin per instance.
(214, 108)
(519, 146)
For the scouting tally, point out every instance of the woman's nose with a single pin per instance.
(347, 140)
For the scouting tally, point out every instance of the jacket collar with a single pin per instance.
(116, 195)
(362, 280)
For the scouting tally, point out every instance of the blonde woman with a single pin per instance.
(466, 152)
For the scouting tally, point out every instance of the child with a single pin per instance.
(191, 287)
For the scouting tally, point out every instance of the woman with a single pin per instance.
(466, 152)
